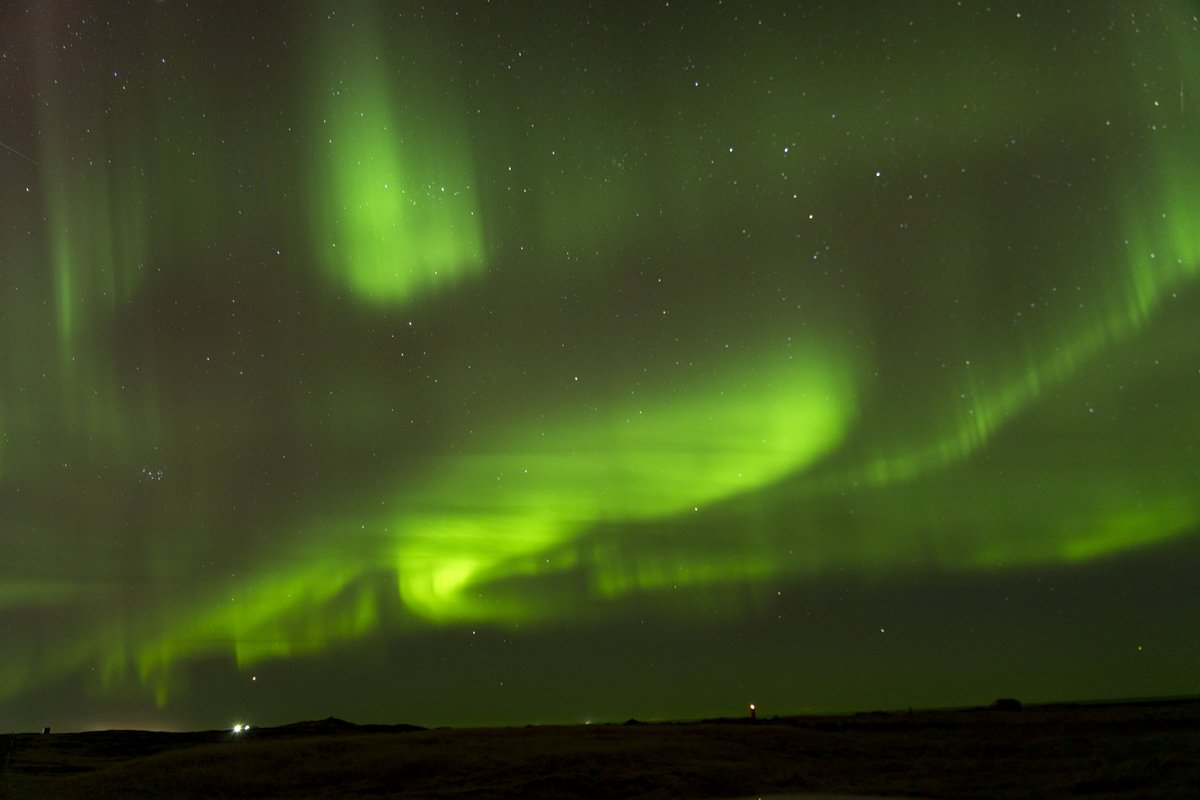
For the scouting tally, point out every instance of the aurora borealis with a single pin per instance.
(493, 363)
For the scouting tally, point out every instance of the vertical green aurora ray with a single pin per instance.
(394, 206)
(1158, 260)
(1154, 276)
(96, 205)
(84, 424)
(97, 241)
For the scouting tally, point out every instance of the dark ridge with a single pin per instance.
(331, 726)
(1006, 704)
(1117, 750)
(327, 725)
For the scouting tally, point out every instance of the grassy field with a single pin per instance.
(1094, 751)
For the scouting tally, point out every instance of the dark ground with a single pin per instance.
(1094, 751)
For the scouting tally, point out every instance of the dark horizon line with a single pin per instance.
(381, 726)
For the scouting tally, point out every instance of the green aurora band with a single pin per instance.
(798, 453)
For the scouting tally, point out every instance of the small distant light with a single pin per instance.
(240, 728)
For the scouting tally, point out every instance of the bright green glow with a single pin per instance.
(1128, 528)
(396, 214)
(1113, 523)
(640, 461)
(268, 616)
(530, 491)
(515, 508)
(440, 561)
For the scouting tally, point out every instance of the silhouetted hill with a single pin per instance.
(1109, 751)
(331, 726)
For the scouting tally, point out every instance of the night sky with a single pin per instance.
(510, 362)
